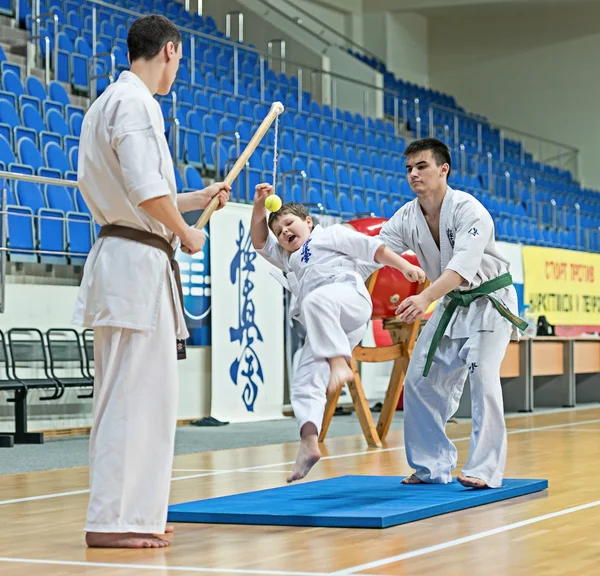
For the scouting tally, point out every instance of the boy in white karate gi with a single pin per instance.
(452, 235)
(129, 295)
(331, 301)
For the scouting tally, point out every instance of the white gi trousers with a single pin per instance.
(134, 421)
(336, 317)
(430, 402)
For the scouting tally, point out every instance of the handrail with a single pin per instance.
(330, 29)
(37, 179)
(247, 48)
(4, 222)
(294, 22)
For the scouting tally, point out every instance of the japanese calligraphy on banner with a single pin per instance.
(247, 325)
(563, 285)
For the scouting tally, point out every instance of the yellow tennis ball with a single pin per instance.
(273, 203)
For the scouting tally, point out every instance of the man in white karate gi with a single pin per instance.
(129, 292)
(452, 235)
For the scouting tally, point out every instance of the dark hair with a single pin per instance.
(439, 150)
(148, 35)
(290, 208)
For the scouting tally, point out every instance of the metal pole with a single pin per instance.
(463, 159)
(365, 108)
(4, 254)
(447, 134)
(95, 80)
(578, 222)
(28, 57)
(405, 111)
(55, 55)
(431, 124)
(193, 58)
(262, 79)
(501, 145)
(456, 131)
(235, 71)
(490, 181)
(418, 127)
(334, 98)
(282, 54)
(533, 211)
(396, 127)
(47, 63)
(507, 184)
(554, 215)
(299, 89)
(417, 115)
(36, 28)
(17, 12)
(479, 138)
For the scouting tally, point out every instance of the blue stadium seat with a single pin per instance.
(79, 237)
(55, 158)
(20, 232)
(51, 234)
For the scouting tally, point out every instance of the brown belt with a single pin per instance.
(156, 241)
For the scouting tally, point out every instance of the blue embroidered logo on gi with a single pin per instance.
(473, 232)
(472, 367)
(246, 369)
(450, 235)
(305, 252)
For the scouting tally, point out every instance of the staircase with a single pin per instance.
(14, 44)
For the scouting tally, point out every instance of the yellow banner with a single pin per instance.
(562, 285)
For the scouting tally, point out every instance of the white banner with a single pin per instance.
(247, 324)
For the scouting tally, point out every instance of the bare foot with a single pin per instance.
(169, 529)
(308, 453)
(124, 540)
(471, 482)
(412, 480)
(340, 374)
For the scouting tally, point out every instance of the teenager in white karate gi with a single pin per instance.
(128, 293)
(331, 301)
(452, 235)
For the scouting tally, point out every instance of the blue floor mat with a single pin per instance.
(347, 502)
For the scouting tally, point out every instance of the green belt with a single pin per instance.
(464, 299)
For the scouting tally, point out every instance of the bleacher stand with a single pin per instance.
(338, 162)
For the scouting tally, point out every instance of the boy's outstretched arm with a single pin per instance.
(259, 229)
(388, 258)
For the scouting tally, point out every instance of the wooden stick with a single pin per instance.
(276, 110)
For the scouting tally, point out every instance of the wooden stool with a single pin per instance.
(403, 337)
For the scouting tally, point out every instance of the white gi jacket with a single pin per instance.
(332, 254)
(124, 159)
(467, 246)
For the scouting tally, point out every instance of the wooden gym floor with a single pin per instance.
(552, 533)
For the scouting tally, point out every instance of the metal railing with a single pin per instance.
(346, 42)
(5, 248)
(325, 88)
(562, 155)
